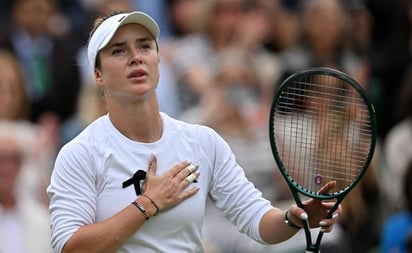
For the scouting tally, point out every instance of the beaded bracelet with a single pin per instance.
(288, 222)
(142, 209)
(151, 200)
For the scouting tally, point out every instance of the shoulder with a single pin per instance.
(92, 137)
(199, 137)
(191, 130)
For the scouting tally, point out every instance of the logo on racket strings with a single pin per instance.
(318, 179)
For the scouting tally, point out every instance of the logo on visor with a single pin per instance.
(120, 20)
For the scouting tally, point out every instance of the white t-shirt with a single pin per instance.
(86, 185)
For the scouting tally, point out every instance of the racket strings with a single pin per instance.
(323, 132)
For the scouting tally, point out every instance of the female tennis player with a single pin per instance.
(137, 180)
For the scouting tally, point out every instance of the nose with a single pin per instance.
(135, 58)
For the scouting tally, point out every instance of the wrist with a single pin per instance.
(153, 203)
(288, 222)
(142, 209)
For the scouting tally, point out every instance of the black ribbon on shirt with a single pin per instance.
(135, 180)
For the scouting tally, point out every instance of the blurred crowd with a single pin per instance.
(221, 62)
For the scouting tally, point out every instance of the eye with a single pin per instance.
(117, 51)
(146, 46)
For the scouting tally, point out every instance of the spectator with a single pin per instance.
(252, 31)
(14, 104)
(14, 107)
(220, 25)
(283, 16)
(195, 68)
(51, 73)
(324, 31)
(398, 228)
(24, 223)
(360, 40)
(397, 149)
(184, 16)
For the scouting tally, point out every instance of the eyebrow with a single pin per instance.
(122, 43)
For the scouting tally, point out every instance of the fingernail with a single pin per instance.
(322, 230)
(335, 216)
(304, 216)
(323, 223)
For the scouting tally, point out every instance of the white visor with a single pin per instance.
(108, 28)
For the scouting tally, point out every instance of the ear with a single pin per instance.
(98, 77)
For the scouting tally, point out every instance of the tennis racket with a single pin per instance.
(322, 129)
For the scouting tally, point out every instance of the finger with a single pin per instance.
(187, 169)
(326, 229)
(339, 209)
(152, 166)
(191, 168)
(331, 205)
(298, 212)
(188, 193)
(325, 223)
(337, 213)
(327, 187)
(331, 221)
(177, 168)
(192, 177)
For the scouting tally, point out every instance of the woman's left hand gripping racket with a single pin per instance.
(322, 129)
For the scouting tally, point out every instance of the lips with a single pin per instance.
(137, 73)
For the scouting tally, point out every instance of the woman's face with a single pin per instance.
(34, 15)
(324, 25)
(129, 65)
(10, 97)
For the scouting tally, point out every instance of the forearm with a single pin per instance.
(273, 229)
(110, 234)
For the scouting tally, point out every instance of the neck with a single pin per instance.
(138, 123)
